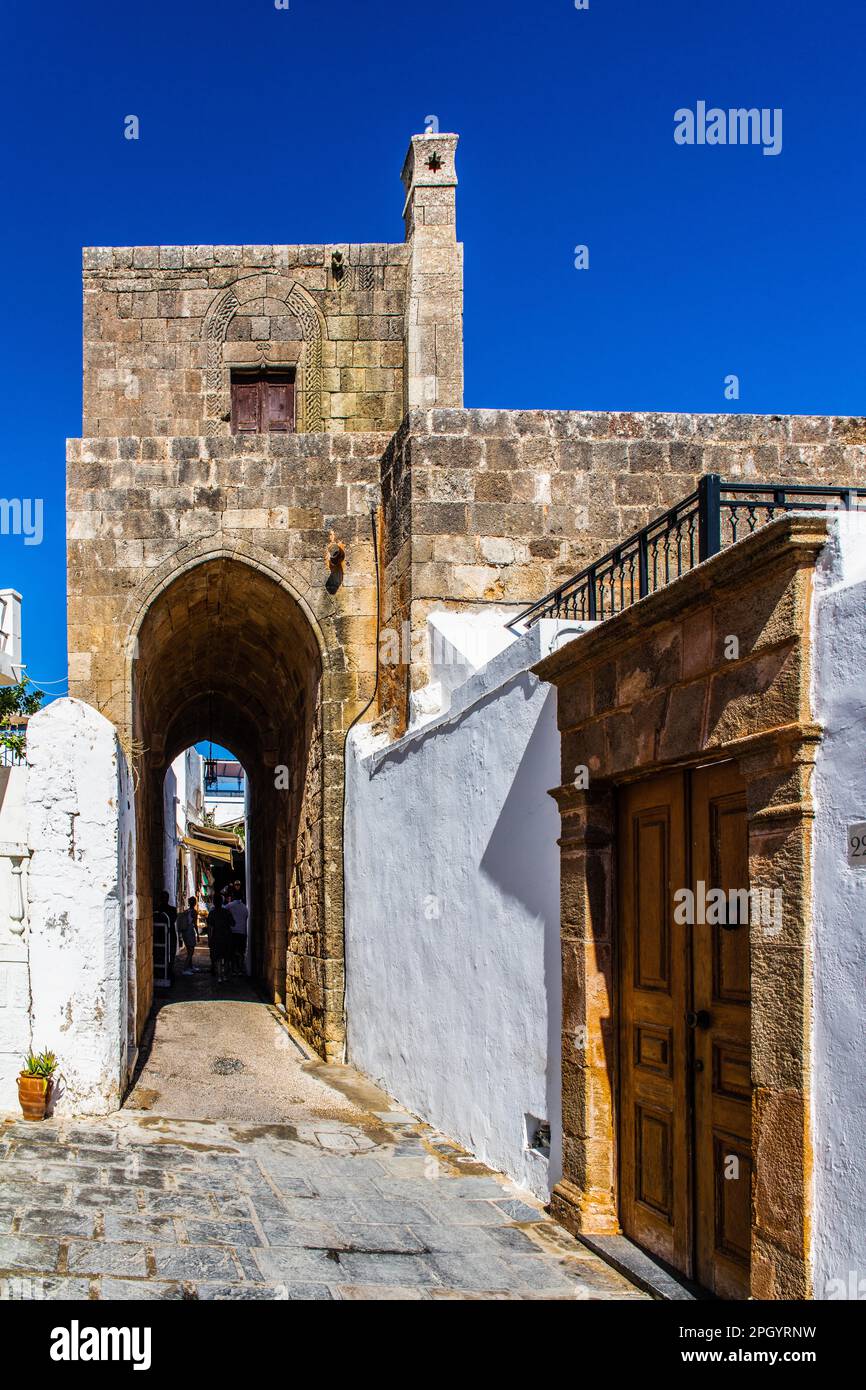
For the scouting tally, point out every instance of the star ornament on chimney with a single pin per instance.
(434, 163)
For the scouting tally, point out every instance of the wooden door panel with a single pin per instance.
(653, 1050)
(722, 1050)
(732, 1215)
(278, 405)
(654, 1167)
(652, 959)
(685, 1049)
(729, 868)
(654, 1150)
(245, 407)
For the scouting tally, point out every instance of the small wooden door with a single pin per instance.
(685, 1059)
(263, 402)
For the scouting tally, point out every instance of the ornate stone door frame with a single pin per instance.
(776, 768)
(298, 304)
(621, 740)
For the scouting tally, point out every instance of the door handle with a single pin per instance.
(698, 1018)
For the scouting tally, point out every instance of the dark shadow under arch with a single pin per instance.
(227, 653)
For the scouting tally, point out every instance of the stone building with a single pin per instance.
(277, 495)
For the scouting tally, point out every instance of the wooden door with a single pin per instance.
(685, 1056)
(263, 402)
(722, 1041)
(278, 402)
(654, 1120)
(245, 406)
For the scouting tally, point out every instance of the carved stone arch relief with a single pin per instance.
(308, 385)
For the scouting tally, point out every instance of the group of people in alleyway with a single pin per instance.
(227, 933)
(227, 923)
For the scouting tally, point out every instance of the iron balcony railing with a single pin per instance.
(714, 516)
(224, 786)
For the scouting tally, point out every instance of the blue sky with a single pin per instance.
(267, 125)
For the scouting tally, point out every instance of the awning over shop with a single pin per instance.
(208, 849)
(214, 834)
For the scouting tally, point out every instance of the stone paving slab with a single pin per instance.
(129, 1209)
(335, 1194)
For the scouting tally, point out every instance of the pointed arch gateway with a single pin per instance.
(223, 649)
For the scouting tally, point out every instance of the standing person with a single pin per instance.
(240, 917)
(219, 924)
(209, 892)
(188, 933)
(171, 913)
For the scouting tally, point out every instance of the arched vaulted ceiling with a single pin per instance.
(224, 653)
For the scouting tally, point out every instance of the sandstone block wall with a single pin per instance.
(164, 325)
(202, 603)
(139, 507)
(501, 506)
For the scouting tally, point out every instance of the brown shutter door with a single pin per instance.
(278, 404)
(245, 407)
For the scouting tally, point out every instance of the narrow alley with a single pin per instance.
(286, 1178)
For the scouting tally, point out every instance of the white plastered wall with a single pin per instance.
(15, 1037)
(453, 918)
(182, 802)
(81, 890)
(839, 916)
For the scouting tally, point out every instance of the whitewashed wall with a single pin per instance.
(81, 884)
(225, 809)
(14, 966)
(171, 831)
(182, 802)
(839, 920)
(452, 927)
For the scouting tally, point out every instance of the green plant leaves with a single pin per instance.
(39, 1064)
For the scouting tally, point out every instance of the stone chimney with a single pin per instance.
(434, 309)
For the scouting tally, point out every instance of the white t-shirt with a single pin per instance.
(239, 916)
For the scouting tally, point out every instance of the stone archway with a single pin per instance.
(224, 651)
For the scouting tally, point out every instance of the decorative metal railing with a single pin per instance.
(224, 786)
(717, 514)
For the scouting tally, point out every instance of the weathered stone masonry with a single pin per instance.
(501, 506)
(198, 560)
(179, 552)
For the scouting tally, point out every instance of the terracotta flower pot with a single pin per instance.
(33, 1096)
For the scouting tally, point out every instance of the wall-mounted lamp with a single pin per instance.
(336, 556)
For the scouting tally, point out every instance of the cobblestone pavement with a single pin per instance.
(134, 1208)
(346, 1197)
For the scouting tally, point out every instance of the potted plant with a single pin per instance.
(34, 1084)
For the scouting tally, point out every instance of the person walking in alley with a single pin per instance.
(219, 927)
(240, 918)
(186, 925)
